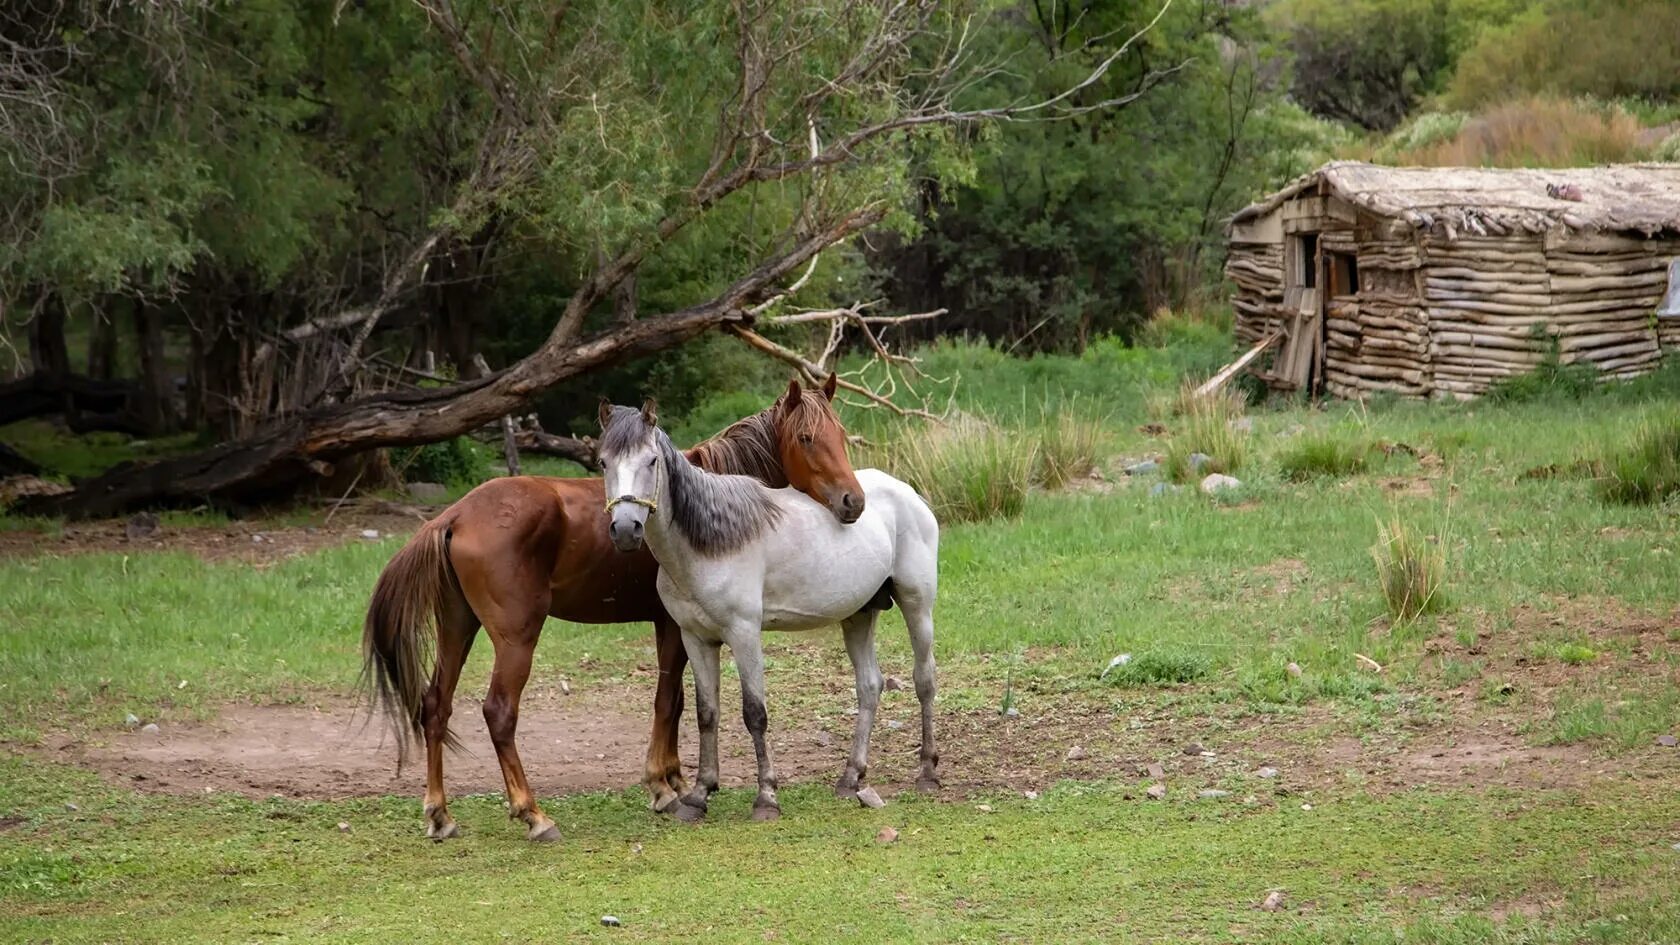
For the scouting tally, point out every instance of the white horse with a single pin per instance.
(737, 558)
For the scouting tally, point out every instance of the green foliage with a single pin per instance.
(1649, 471)
(1324, 454)
(1366, 62)
(1411, 568)
(1208, 425)
(1550, 380)
(456, 462)
(1602, 48)
(1163, 667)
(968, 471)
(1068, 446)
(1531, 132)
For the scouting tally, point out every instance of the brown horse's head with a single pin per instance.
(813, 449)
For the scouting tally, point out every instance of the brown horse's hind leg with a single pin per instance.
(501, 715)
(456, 631)
(663, 776)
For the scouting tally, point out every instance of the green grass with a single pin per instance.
(1080, 863)
(65, 455)
(1648, 471)
(1214, 600)
(968, 470)
(1411, 568)
(1324, 454)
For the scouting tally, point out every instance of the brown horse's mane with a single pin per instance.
(748, 447)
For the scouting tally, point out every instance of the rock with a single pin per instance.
(1030, 795)
(611, 921)
(886, 835)
(1193, 749)
(1273, 901)
(1156, 771)
(894, 724)
(823, 739)
(72, 808)
(371, 534)
(343, 827)
(1198, 460)
(1266, 773)
(1164, 488)
(983, 808)
(892, 684)
(140, 526)
(1668, 741)
(1294, 670)
(1144, 468)
(1212, 794)
(1306, 807)
(428, 491)
(1012, 712)
(150, 728)
(256, 539)
(565, 688)
(131, 720)
(1157, 791)
(1242, 424)
(1218, 482)
(1118, 661)
(1075, 753)
(868, 798)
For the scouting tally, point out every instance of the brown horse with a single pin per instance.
(517, 550)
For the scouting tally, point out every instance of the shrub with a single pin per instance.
(1322, 454)
(1649, 471)
(968, 471)
(1535, 132)
(1210, 426)
(1411, 568)
(451, 462)
(1551, 379)
(1161, 668)
(1067, 449)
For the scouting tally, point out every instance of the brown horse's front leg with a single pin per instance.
(663, 775)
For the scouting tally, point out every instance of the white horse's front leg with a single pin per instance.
(747, 643)
(860, 646)
(703, 656)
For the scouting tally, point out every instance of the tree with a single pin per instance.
(586, 143)
(1366, 62)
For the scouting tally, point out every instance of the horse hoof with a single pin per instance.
(666, 804)
(766, 812)
(688, 813)
(846, 790)
(438, 833)
(543, 833)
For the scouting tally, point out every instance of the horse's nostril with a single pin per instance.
(846, 501)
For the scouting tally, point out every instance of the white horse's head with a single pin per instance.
(631, 454)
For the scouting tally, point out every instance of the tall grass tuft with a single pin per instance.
(1068, 444)
(1324, 454)
(1411, 567)
(1211, 426)
(1536, 132)
(1649, 471)
(969, 470)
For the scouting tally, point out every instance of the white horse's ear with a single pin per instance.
(830, 385)
(604, 412)
(650, 412)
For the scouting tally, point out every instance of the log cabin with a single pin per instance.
(1438, 281)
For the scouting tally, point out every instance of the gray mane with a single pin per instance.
(716, 513)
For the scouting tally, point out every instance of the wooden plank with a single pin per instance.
(1231, 370)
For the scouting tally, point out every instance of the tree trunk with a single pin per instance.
(102, 345)
(156, 405)
(47, 350)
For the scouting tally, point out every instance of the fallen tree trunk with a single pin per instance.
(43, 394)
(543, 443)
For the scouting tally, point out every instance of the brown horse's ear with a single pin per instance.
(650, 412)
(830, 385)
(604, 412)
(794, 397)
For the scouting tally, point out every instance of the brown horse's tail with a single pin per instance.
(403, 619)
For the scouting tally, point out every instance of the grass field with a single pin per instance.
(1499, 779)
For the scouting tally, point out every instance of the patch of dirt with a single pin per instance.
(251, 543)
(1283, 574)
(10, 821)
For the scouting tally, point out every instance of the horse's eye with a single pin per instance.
(805, 438)
(652, 460)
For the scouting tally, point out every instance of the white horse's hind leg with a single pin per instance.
(860, 645)
(747, 644)
(918, 616)
(703, 656)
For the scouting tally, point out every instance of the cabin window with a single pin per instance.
(1341, 270)
(1306, 260)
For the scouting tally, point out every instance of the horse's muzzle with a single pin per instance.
(626, 533)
